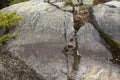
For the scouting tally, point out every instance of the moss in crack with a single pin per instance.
(74, 66)
(68, 1)
(99, 1)
(7, 22)
(111, 44)
(6, 37)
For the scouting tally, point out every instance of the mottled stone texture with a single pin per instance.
(47, 42)
(94, 62)
(43, 33)
(107, 19)
(11, 68)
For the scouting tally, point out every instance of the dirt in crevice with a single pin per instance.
(72, 54)
(81, 18)
(76, 60)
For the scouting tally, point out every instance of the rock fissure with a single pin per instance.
(49, 48)
(76, 57)
(59, 7)
(73, 11)
(80, 18)
(76, 60)
(68, 52)
(111, 44)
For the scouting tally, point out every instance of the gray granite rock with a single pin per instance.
(11, 68)
(52, 1)
(106, 17)
(46, 33)
(113, 3)
(94, 63)
(115, 0)
(42, 35)
(63, 6)
(43, 22)
(88, 2)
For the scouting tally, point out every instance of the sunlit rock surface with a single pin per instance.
(94, 63)
(47, 41)
(88, 2)
(113, 3)
(52, 1)
(106, 17)
(42, 35)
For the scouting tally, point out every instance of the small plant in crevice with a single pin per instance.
(6, 37)
(81, 7)
(68, 1)
(114, 47)
(80, 16)
(7, 20)
(16, 1)
(96, 1)
(100, 1)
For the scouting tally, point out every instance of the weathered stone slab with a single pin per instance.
(42, 35)
(94, 62)
(11, 68)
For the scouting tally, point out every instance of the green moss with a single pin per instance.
(68, 1)
(5, 38)
(16, 1)
(96, 1)
(112, 45)
(7, 20)
(82, 7)
(100, 1)
(111, 42)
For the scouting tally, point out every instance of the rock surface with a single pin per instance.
(42, 22)
(47, 41)
(106, 18)
(94, 62)
(113, 3)
(88, 2)
(11, 68)
(43, 33)
(52, 1)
